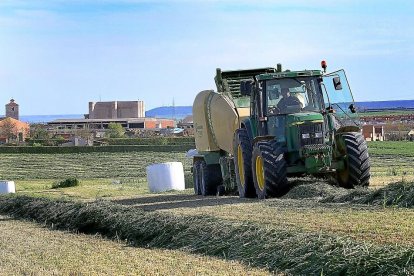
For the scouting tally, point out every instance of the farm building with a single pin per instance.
(12, 130)
(68, 126)
(188, 125)
(116, 110)
(130, 114)
(373, 132)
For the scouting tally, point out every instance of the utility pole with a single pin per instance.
(173, 111)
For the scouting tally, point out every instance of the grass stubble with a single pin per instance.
(30, 249)
(264, 245)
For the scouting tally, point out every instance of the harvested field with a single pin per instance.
(361, 216)
(84, 165)
(271, 246)
(391, 159)
(87, 189)
(29, 249)
(35, 173)
(315, 228)
(391, 162)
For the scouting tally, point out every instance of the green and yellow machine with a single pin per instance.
(263, 125)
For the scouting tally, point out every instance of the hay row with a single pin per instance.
(267, 246)
(399, 194)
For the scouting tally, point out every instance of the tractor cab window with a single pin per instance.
(339, 97)
(293, 95)
(287, 96)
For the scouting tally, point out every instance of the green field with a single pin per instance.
(315, 228)
(98, 172)
(391, 162)
(386, 113)
(392, 148)
(84, 165)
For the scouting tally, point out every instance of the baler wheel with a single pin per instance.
(210, 178)
(197, 177)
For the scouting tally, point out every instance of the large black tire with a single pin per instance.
(242, 150)
(357, 164)
(197, 177)
(269, 169)
(210, 178)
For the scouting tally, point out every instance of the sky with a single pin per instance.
(56, 55)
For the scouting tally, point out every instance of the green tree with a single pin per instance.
(84, 133)
(39, 135)
(115, 130)
(39, 132)
(58, 140)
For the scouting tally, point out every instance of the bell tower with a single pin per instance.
(12, 110)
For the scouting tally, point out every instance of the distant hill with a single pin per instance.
(48, 118)
(180, 112)
(402, 104)
(177, 112)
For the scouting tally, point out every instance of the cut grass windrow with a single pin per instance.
(398, 194)
(276, 249)
(30, 249)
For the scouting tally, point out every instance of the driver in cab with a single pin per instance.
(287, 100)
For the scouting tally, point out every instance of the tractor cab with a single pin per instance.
(303, 97)
(283, 97)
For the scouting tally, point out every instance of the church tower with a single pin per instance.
(12, 110)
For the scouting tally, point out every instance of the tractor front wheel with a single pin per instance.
(269, 169)
(357, 166)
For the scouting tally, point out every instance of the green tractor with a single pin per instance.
(299, 123)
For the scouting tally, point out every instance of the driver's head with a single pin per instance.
(285, 92)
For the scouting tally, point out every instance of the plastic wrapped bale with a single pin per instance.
(7, 187)
(165, 176)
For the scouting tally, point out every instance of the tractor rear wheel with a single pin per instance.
(210, 178)
(356, 171)
(269, 169)
(197, 177)
(242, 149)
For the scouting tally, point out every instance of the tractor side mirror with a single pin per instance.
(352, 108)
(337, 83)
(246, 87)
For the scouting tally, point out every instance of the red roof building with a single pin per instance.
(13, 131)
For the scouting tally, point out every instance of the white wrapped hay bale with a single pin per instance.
(7, 187)
(165, 176)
